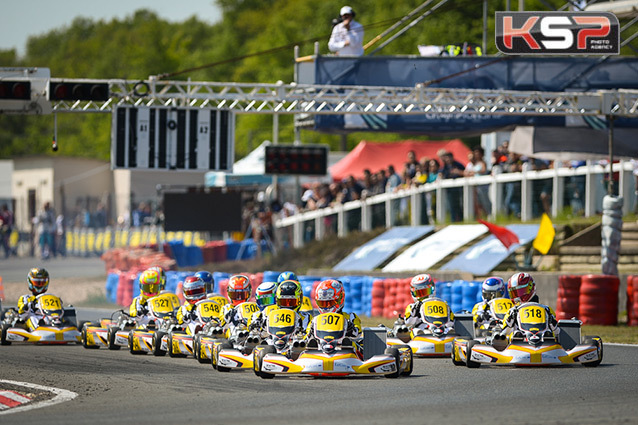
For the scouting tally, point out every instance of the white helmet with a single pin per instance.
(346, 10)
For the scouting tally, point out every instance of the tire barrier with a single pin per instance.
(611, 233)
(567, 299)
(598, 300)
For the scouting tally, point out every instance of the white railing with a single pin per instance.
(406, 206)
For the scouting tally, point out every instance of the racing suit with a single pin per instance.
(353, 326)
(185, 313)
(26, 305)
(139, 307)
(481, 315)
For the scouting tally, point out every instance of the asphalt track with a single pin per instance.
(117, 387)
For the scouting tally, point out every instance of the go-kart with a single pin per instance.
(330, 353)
(493, 315)
(50, 323)
(531, 344)
(137, 333)
(198, 335)
(436, 339)
(237, 351)
(281, 338)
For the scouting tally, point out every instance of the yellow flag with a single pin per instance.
(545, 235)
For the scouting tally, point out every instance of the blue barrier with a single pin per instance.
(470, 290)
(194, 256)
(270, 276)
(112, 283)
(218, 277)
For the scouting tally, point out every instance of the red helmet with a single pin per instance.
(194, 289)
(422, 286)
(239, 289)
(330, 296)
(521, 287)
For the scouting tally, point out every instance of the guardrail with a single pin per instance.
(406, 206)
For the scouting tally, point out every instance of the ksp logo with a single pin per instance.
(557, 33)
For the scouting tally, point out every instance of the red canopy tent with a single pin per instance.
(377, 156)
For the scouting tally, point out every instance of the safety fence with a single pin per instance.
(522, 194)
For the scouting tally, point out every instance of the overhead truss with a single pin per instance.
(321, 99)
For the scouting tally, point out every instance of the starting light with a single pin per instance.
(15, 90)
(297, 159)
(73, 90)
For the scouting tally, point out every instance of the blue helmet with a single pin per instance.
(207, 277)
(286, 276)
(493, 287)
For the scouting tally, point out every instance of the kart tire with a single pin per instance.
(593, 341)
(410, 368)
(157, 344)
(455, 350)
(171, 353)
(215, 360)
(130, 344)
(394, 352)
(258, 360)
(110, 337)
(468, 354)
(3, 338)
(85, 343)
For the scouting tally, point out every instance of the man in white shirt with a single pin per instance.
(347, 36)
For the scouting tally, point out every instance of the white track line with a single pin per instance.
(61, 396)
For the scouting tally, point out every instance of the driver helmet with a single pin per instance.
(287, 275)
(265, 294)
(194, 289)
(521, 287)
(239, 289)
(330, 296)
(493, 287)
(150, 282)
(289, 295)
(422, 286)
(162, 274)
(38, 280)
(207, 277)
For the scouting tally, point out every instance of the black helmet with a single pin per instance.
(289, 295)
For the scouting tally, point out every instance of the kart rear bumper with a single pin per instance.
(45, 335)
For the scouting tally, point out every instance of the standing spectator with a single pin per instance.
(355, 189)
(478, 167)
(100, 216)
(411, 164)
(60, 232)
(347, 36)
(452, 169)
(6, 226)
(394, 180)
(382, 181)
(46, 221)
(140, 214)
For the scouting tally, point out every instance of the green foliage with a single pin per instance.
(143, 44)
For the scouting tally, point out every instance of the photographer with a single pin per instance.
(347, 36)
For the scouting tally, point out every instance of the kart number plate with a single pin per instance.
(501, 306)
(330, 322)
(219, 300)
(435, 308)
(281, 317)
(533, 314)
(50, 302)
(162, 304)
(210, 309)
(247, 310)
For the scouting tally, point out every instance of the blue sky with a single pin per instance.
(20, 19)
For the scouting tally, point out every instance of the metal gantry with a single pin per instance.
(294, 98)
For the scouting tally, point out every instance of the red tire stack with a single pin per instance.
(403, 298)
(390, 286)
(378, 294)
(223, 287)
(632, 300)
(599, 300)
(567, 301)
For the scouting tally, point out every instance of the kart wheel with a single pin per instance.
(454, 355)
(222, 346)
(85, 343)
(468, 354)
(394, 352)
(3, 339)
(594, 340)
(408, 370)
(157, 344)
(258, 361)
(172, 353)
(110, 336)
(130, 344)
(197, 348)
